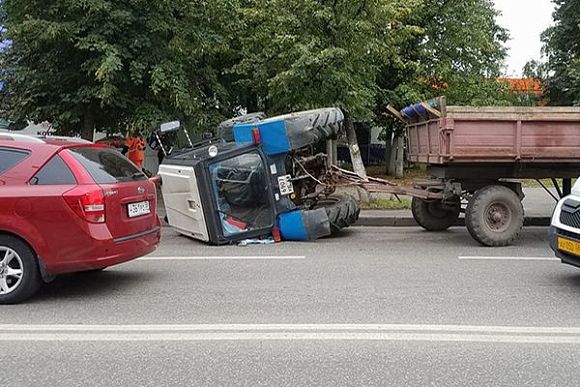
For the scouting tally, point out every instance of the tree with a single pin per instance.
(562, 48)
(457, 49)
(103, 64)
(462, 51)
(301, 54)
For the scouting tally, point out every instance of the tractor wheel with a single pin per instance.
(311, 126)
(342, 211)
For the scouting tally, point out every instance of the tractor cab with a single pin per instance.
(223, 192)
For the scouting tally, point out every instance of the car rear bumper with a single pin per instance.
(566, 258)
(105, 253)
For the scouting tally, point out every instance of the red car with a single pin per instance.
(67, 206)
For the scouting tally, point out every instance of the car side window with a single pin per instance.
(10, 158)
(55, 172)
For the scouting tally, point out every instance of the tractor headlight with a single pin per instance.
(212, 151)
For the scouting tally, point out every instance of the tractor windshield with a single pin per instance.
(241, 192)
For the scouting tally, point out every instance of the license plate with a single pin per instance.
(286, 187)
(138, 209)
(568, 246)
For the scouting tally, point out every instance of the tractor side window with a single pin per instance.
(241, 191)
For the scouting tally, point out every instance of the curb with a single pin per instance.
(393, 221)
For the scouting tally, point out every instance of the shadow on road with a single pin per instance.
(569, 279)
(80, 285)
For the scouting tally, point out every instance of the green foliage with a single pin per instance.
(462, 51)
(562, 47)
(457, 50)
(299, 54)
(109, 64)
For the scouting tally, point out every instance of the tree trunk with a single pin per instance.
(88, 126)
(388, 152)
(399, 167)
(393, 157)
(355, 155)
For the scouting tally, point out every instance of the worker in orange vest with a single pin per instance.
(136, 145)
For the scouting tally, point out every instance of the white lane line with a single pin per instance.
(284, 336)
(10, 328)
(467, 258)
(222, 258)
(291, 332)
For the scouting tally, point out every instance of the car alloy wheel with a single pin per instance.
(11, 270)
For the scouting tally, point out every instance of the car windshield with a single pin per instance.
(241, 192)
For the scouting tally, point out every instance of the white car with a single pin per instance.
(565, 228)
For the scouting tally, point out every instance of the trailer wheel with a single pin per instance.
(342, 210)
(436, 215)
(494, 216)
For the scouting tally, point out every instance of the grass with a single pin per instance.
(415, 173)
(387, 204)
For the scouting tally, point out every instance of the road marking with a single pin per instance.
(292, 332)
(467, 258)
(222, 258)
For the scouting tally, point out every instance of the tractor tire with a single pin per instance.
(303, 128)
(311, 126)
(494, 216)
(433, 216)
(225, 130)
(342, 211)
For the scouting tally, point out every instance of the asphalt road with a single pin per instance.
(377, 306)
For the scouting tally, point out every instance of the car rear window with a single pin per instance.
(55, 172)
(107, 166)
(9, 158)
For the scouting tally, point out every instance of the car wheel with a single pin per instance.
(19, 274)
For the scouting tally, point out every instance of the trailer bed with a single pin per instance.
(456, 135)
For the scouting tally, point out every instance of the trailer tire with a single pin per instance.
(494, 216)
(342, 211)
(432, 216)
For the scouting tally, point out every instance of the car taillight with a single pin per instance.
(88, 202)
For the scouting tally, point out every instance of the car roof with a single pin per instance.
(21, 140)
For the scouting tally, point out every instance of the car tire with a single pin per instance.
(342, 211)
(16, 255)
(494, 216)
(433, 215)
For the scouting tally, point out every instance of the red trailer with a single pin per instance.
(475, 156)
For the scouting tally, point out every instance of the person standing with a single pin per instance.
(136, 145)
